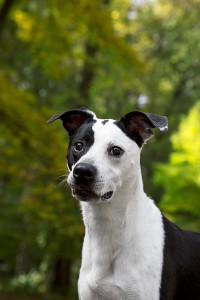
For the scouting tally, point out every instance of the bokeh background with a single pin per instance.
(112, 56)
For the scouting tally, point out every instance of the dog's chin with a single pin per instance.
(90, 196)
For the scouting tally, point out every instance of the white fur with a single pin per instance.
(123, 245)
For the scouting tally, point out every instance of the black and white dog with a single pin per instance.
(130, 251)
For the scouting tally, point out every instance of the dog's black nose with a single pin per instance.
(84, 172)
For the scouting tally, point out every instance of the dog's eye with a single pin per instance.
(116, 151)
(78, 146)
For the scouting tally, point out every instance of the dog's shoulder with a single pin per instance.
(181, 241)
(181, 263)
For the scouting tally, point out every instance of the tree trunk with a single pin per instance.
(88, 72)
(61, 275)
(4, 13)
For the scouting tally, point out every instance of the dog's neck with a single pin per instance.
(108, 224)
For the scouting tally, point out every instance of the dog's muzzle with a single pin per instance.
(84, 176)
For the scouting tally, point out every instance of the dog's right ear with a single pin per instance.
(73, 119)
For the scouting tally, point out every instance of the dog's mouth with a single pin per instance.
(83, 194)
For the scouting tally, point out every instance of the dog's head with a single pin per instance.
(105, 154)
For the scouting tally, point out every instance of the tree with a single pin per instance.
(181, 175)
(33, 208)
(166, 35)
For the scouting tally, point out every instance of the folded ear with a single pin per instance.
(73, 119)
(138, 125)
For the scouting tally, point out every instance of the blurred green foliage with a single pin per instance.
(181, 176)
(112, 56)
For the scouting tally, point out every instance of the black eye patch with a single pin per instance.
(80, 142)
(79, 146)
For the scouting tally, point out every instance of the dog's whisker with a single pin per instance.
(63, 175)
(63, 181)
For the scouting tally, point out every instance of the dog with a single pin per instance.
(130, 250)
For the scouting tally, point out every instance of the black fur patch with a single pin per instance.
(104, 122)
(133, 136)
(85, 134)
(181, 265)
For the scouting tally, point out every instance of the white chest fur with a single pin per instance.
(123, 250)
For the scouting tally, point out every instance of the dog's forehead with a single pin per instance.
(102, 126)
(107, 131)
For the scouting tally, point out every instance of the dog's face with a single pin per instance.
(100, 157)
(104, 155)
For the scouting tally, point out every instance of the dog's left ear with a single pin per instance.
(139, 125)
(73, 119)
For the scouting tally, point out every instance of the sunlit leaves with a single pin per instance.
(181, 176)
(60, 30)
(25, 24)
